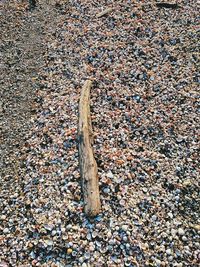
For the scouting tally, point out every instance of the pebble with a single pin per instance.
(48, 227)
(144, 189)
(184, 238)
(69, 251)
(125, 227)
(54, 232)
(173, 232)
(168, 251)
(154, 217)
(170, 214)
(6, 230)
(197, 227)
(181, 231)
(48, 242)
(110, 175)
(158, 262)
(3, 217)
(87, 255)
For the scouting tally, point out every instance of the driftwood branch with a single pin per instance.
(88, 166)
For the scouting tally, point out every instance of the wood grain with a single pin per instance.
(88, 166)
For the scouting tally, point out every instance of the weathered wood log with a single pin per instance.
(88, 165)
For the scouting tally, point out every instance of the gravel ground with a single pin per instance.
(144, 61)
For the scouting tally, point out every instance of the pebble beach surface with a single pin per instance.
(143, 60)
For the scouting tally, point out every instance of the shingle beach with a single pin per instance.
(143, 61)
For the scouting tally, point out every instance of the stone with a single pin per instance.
(69, 251)
(124, 227)
(48, 242)
(184, 238)
(168, 251)
(173, 232)
(53, 233)
(3, 264)
(158, 262)
(181, 231)
(170, 214)
(3, 217)
(110, 175)
(48, 227)
(196, 227)
(6, 230)
(144, 189)
(154, 217)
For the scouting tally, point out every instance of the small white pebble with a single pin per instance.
(109, 234)
(110, 175)
(181, 231)
(144, 189)
(154, 217)
(168, 251)
(53, 232)
(81, 259)
(177, 198)
(184, 238)
(173, 232)
(125, 238)
(170, 215)
(6, 231)
(3, 217)
(124, 227)
(158, 262)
